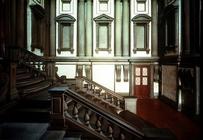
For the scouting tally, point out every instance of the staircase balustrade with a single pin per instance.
(69, 106)
(98, 91)
(32, 61)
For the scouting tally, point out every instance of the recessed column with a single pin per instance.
(118, 22)
(53, 28)
(81, 28)
(89, 28)
(154, 28)
(125, 28)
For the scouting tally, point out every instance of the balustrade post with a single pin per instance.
(51, 71)
(79, 83)
(57, 107)
(13, 92)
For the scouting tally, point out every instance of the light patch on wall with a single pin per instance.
(68, 70)
(104, 75)
(141, 7)
(156, 89)
(66, 6)
(103, 6)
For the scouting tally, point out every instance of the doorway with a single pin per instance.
(142, 81)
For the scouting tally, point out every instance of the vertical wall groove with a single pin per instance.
(89, 28)
(125, 28)
(118, 22)
(81, 28)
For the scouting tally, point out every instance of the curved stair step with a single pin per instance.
(28, 82)
(23, 76)
(21, 71)
(36, 88)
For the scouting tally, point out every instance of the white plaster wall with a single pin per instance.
(68, 70)
(104, 74)
(122, 87)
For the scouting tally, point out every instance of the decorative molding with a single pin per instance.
(65, 18)
(141, 0)
(125, 72)
(103, 1)
(37, 10)
(66, 1)
(79, 70)
(66, 26)
(141, 20)
(39, 2)
(88, 71)
(103, 25)
(118, 73)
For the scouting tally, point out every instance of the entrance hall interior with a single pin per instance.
(100, 69)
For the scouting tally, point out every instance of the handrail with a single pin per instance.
(29, 59)
(81, 111)
(116, 99)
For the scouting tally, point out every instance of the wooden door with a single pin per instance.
(142, 81)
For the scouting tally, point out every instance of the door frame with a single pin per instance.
(151, 74)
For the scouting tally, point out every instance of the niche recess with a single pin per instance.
(103, 33)
(65, 32)
(141, 33)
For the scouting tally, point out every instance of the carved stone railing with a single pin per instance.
(30, 60)
(71, 107)
(104, 94)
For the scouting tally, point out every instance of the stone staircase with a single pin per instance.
(29, 119)
(29, 81)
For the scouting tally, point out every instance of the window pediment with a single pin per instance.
(65, 18)
(103, 18)
(141, 18)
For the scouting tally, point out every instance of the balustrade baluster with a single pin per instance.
(87, 118)
(38, 66)
(75, 111)
(112, 99)
(98, 125)
(122, 136)
(118, 102)
(110, 132)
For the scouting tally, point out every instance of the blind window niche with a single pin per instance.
(141, 33)
(65, 33)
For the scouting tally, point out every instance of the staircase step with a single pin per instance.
(28, 82)
(36, 88)
(29, 115)
(22, 131)
(23, 76)
(21, 71)
(73, 136)
(53, 135)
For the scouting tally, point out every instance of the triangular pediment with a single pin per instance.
(103, 17)
(141, 18)
(65, 18)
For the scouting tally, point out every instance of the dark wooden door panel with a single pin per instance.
(142, 81)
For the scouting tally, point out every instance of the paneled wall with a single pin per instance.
(103, 28)
(100, 38)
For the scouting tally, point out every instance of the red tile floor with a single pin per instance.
(163, 116)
